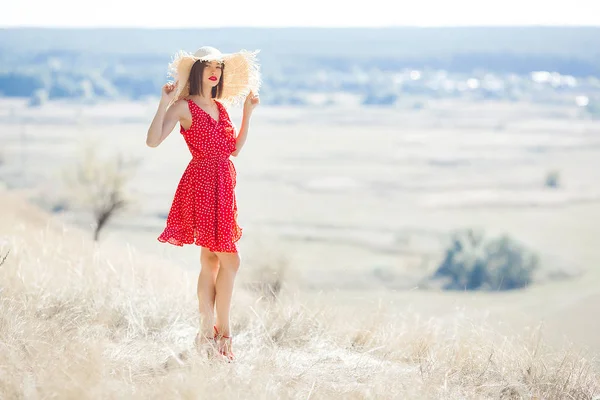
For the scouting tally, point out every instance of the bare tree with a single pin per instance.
(100, 185)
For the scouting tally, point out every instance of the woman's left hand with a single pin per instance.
(251, 102)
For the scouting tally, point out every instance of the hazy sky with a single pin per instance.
(202, 13)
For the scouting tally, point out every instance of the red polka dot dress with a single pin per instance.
(204, 209)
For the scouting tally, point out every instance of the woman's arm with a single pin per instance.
(251, 102)
(165, 119)
(242, 133)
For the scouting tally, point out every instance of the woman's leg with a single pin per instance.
(209, 267)
(230, 263)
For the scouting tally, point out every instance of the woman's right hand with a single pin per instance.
(168, 91)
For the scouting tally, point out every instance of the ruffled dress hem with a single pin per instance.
(181, 240)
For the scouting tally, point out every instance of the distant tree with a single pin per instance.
(38, 98)
(100, 185)
(135, 87)
(19, 85)
(593, 109)
(380, 99)
(63, 86)
(103, 87)
(86, 90)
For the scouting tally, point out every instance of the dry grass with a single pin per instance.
(3, 258)
(82, 321)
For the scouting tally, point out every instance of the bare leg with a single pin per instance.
(206, 290)
(230, 263)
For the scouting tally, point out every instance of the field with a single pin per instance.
(350, 209)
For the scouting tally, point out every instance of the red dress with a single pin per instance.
(204, 209)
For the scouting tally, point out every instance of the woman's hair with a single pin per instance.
(196, 74)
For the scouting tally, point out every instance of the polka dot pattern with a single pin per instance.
(204, 209)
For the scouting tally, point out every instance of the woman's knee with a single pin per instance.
(230, 260)
(208, 257)
(205, 252)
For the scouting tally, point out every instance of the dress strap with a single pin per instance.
(194, 108)
(190, 102)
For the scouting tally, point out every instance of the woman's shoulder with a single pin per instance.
(180, 103)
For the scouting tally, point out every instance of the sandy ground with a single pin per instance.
(357, 202)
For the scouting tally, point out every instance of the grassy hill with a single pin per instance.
(78, 320)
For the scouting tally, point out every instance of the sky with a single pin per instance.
(303, 13)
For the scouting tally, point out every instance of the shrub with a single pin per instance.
(475, 263)
(552, 179)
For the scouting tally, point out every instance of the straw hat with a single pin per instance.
(241, 72)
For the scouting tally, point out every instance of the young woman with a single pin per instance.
(204, 208)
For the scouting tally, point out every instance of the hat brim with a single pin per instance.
(241, 74)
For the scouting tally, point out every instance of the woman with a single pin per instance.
(204, 209)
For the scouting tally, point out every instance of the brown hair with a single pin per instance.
(195, 80)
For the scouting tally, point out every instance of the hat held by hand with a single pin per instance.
(241, 72)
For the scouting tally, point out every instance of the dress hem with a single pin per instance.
(181, 242)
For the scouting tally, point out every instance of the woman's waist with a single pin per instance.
(210, 158)
(211, 163)
(212, 166)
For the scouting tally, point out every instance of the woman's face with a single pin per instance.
(212, 73)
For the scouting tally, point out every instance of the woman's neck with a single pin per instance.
(206, 95)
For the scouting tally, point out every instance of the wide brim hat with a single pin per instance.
(241, 72)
